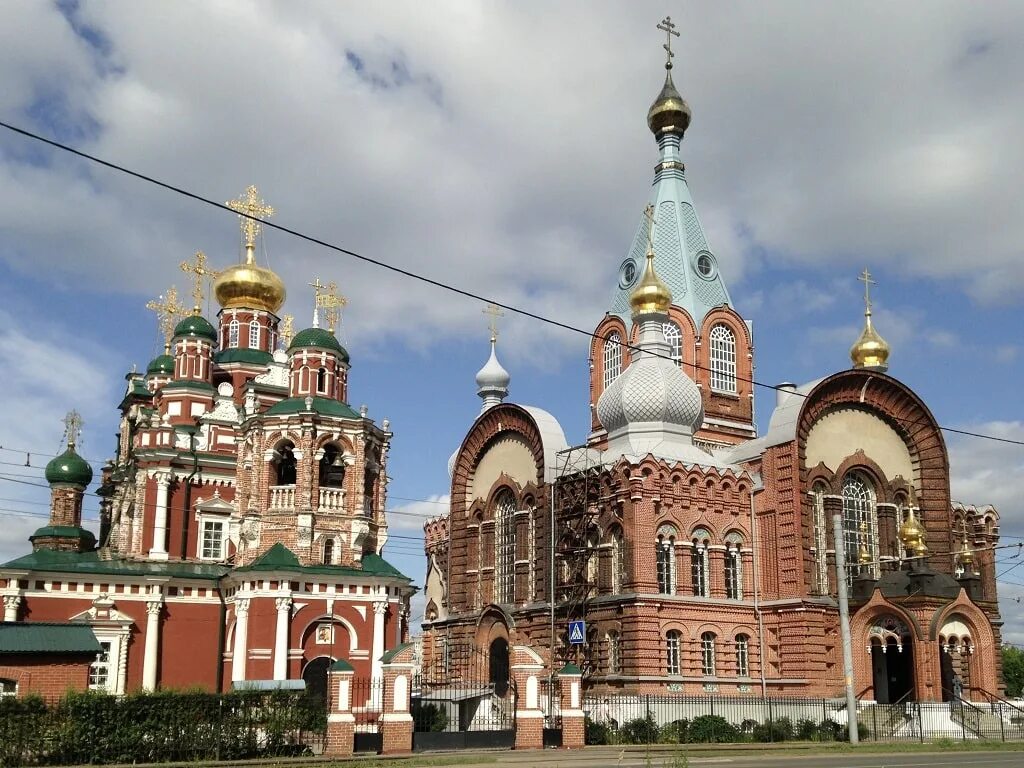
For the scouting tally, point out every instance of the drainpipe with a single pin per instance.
(221, 635)
(188, 489)
(757, 604)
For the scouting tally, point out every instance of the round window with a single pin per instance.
(627, 273)
(706, 266)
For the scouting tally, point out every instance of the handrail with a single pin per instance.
(965, 708)
(897, 713)
(994, 698)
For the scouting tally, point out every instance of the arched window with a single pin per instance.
(593, 555)
(617, 563)
(699, 563)
(329, 552)
(733, 570)
(254, 334)
(666, 560)
(723, 359)
(707, 654)
(820, 543)
(612, 358)
(504, 547)
(233, 334)
(369, 493)
(674, 339)
(613, 652)
(321, 381)
(672, 638)
(743, 655)
(284, 464)
(332, 467)
(860, 525)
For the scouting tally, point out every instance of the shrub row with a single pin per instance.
(714, 729)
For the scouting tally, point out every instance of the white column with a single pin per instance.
(149, 660)
(11, 603)
(241, 648)
(377, 667)
(284, 609)
(159, 550)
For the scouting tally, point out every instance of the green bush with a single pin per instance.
(642, 730)
(774, 730)
(597, 733)
(712, 729)
(675, 733)
(429, 717)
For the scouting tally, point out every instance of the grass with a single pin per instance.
(412, 762)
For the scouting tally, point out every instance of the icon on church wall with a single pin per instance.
(325, 634)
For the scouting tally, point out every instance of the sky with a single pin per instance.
(501, 147)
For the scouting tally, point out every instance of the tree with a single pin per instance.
(1013, 671)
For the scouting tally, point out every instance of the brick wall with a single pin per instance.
(49, 676)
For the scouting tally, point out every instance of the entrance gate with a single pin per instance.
(465, 700)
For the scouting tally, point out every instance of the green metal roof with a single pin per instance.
(570, 669)
(321, 405)
(91, 563)
(162, 364)
(389, 655)
(199, 386)
(341, 666)
(318, 337)
(65, 532)
(46, 637)
(280, 558)
(69, 468)
(254, 356)
(195, 325)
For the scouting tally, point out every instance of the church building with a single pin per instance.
(242, 518)
(699, 553)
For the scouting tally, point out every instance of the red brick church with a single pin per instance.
(241, 521)
(700, 554)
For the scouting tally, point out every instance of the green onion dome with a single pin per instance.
(196, 325)
(69, 469)
(161, 366)
(318, 337)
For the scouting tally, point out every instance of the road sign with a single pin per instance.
(577, 632)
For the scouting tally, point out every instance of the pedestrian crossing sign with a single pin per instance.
(577, 632)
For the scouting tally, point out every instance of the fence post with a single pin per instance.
(525, 668)
(874, 722)
(341, 723)
(1002, 730)
(771, 723)
(396, 720)
(573, 726)
(920, 722)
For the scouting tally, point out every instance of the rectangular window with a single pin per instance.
(666, 567)
(700, 572)
(672, 647)
(211, 540)
(733, 582)
(707, 654)
(742, 656)
(99, 670)
(613, 653)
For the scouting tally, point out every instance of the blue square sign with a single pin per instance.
(577, 632)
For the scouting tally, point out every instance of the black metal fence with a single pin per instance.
(644, 719)
(366, 700)
(159, 727)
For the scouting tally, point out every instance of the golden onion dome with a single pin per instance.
(250, 286)
(651, 294)
(669, 113)
(966, 554)
(911, 532)
(870, 350)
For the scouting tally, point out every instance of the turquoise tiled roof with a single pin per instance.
(321, 405)
(90, 563)
(46, 637)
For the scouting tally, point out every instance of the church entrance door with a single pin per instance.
(892, 671)
(315, 676)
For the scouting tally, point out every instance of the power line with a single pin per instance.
(423, 278)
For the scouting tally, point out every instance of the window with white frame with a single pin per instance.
(860, 525)
(613, 653)
(211, 538)
(665, 558)
(674, 339)
(672, 642)
(504, 547)
(233, 334)
(8, 687)
(321, 381)
(254, 334)
(733, 568)
(820, 541)
(699, 575)
(99, 670)
(723, 359)
(612, 358)
(707, 654)
(742, 655)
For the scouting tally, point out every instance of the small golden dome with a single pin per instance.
(870, 350)
(669, 113)
(651, 294)
(966, 555)
(911, 532)
(250, 286)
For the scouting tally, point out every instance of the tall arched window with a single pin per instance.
(674, 339)
(284, 464)
(723, 359)
(860, 525)
(329, 552)
(743, 655)
(612, 358)
(672, 639)
(233, 334)
(321, 381)
(733, 568)
(699, 563)
(613, 653)
(504, 547)
(707, 654)
(254, 334)
(666, 560)
(617, 562)
(820, 540)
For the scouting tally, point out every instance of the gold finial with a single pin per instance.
(200, 273)
(967, 555)
(912, 534)
(870, 350)
(669, 29)
(864, 554)
(286, 330)
(167, 311)
(250, 209)
(651, 294)
(72, 428)
(492, 325)
(331, 302)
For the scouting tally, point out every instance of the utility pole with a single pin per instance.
(844, 625)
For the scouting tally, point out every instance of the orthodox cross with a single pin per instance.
(200, 272)
(649, 215)
(72, 428)
(494, 311)
(669, 29)
(316, 285)
(331, 302)
(167, 310)
(285, 331)
(250, 209)
(865, 277)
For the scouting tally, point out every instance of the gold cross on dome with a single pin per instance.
(200, 273)
(250, 209)
(669, 29)
(331, 302)
(72, 428)
(286, 330)
(495, 312)
(865, 277)
(649, 215)
(167, 311)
